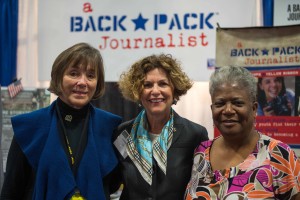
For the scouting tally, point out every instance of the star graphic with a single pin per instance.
(140, 22)
(265, 52)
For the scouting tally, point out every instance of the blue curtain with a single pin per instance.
(8, 40)
(268, 9)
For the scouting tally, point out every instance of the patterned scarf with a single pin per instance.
(140, 149)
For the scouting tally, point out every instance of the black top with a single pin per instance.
(186, 137)
(73, 126)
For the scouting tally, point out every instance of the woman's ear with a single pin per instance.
(254, 107)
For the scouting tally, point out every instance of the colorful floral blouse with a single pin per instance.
(271, 171)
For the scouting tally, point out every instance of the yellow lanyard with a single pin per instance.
(66, 137)
(65, 134)
(77, 196)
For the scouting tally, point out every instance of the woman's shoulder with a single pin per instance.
(189, 125)
(39, 114)
(203, 146)
(273, 145)
(181, 120)
(125, 125)
(290, 92)
(192, 130)
(106, 114)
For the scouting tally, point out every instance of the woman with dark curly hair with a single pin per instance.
(155, 149)
(274, 99)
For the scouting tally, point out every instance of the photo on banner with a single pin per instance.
(278, 93)
(272, 54)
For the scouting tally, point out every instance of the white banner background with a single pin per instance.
(188, 32)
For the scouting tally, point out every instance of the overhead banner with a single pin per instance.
(286, 12)
(125, 31)
(260, 47)
(273, 56)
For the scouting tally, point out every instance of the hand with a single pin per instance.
(289, 104)
(268, 111)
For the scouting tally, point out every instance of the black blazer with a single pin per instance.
(187, 136)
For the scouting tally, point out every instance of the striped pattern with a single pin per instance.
(14, 88)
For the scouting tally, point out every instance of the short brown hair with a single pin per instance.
(131, 82)
(81, 53)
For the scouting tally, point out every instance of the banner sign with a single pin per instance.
(126, 31)
(273, 56)
(286, 12)
(279, 117)
(260, 47)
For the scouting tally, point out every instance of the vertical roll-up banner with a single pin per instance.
(272, 54)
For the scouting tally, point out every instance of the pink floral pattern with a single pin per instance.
(271, 171)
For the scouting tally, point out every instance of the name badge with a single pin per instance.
(121, 142)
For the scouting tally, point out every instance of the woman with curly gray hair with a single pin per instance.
(155, 149)
(241, 163)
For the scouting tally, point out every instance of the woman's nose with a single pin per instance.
(82, 80)
(228, 108)
(273, 83)
(155, 89)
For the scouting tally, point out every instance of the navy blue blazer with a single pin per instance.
(37, 136)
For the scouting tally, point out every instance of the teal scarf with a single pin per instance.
(141, 150)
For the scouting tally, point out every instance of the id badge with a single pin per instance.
(121, 142)
(77, 196)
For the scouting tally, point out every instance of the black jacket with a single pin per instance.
(186, 138)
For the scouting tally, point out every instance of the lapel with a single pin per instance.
(178, 128)
(54, 160)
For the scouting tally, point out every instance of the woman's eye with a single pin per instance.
(91, 76)
(163, 84)
(147, 85)
(218, 104)
(238, 103)
(73, 73)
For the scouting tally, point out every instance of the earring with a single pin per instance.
(139, 104)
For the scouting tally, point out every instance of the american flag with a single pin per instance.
(14, 88)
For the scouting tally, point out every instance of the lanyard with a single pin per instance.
(83, 132)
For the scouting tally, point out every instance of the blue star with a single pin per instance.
(265, 52)
(140, 22)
